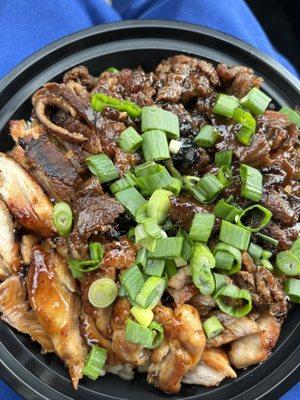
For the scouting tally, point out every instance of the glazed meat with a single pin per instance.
(181, 350)
(119, 254)
(24, 198)
(52, 295)
(181, 287)
(9, 249)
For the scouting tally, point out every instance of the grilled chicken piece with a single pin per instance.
(212, 369)
(235, 328)
(119, 254)
(126, 351)
(9, 249)
(16, 312)
(253, 349)
(24, 198)
(181, 349)
(181, 286)
(27, 244)
(52, 296)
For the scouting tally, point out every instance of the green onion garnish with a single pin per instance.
(138, 334)
(159, 337)
(143, 316)
(157, 118)
(132, 281)
(159, 205)
(292, 289)
(295, 249)
(228, 258)
(187, 249)
(101, 100)
(129, 140)
(102, 166)
(210, 187)
(167, 248)
(131, 199)
(151, 292)
(144, 239)
(232, 293)
(254, 218)
(170, 268)
(266, 264)
(207, 136)
(155, 145)
(102, 292)
(145, 169)
(129, 176)
(248, 128)
(152, 228)
(225, 105)
(234, 235)
(201, 227)
(155, 268)
(141, 213)
(288, 263)
(251, 183)
(220, 281)
(160, 179)
(293, 116)
(212, 327)
(174, 146)
(245, 135)
(175, 186)
(120, 184)
(223, 158)
(95, 362)
(141, 257)
(80, 267)
(266, 254)
(255, 251)
(62, 218)
(267, 239)
(227, 211)
(255, 101)
(201, 263)
(96, 251)
(225, 176)
(113, 70)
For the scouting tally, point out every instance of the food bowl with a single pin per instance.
(129, 44)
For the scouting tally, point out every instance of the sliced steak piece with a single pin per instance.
(278, 204)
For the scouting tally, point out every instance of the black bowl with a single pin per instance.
(129, 44)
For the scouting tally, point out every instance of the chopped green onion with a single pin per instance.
(201, 227)
(157, 118)
(62, 218)
(96, 251)
(255, 101)
(144, 239)
(102, 166)
(245, 135)
(160, 179)
(80, 267)
(228, 258)
(143, 316)
(233, 293)
(187, 249)
(266, 254)
(190, 181)
(287, 263)
(141, 258)
(234, 235)
(103, 292)
(173, 171)
(174, 146)
(292, 289)
(227, 211)
(267, 239)
(175, 186)
(129, 176)
(255, 252)
(155, 145)
(131, 199)
(131, 234)
(139, 334)
(248, 128)
(155, 268)
(101, 100)
(170, 268)
(121, 292)
(132, 281)
(159, 205)
(95, 363)
(225, 176)
(152, 228)
(166, 248)
(266, 264)
(159, 337)
(201, 263)
(129, 140)
(210, 186)
(145, 169)
(120, 184)
(207, 136)
(293, 116)
(220, 281)
(225, 105)
(254, 218)
(168, 225)
(151, 292)
(141, 213)
(251, 183)
(295, 249)
(113, 70)
(212, 327)
(223, 158)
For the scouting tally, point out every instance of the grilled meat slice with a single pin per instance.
(278, 204)
(181, 286)
(24, 198)
(181, 349)
(119, 254)
(213, 368)
(253, 349)
(51, 291)
(27, 244)
(9, 249)
(15, 310)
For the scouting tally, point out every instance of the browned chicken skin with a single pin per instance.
(52, 296)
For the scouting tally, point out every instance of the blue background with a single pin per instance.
(28, 25)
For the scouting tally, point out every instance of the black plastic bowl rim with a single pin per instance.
(22, 367)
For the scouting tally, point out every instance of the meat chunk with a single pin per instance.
(202, 303)
(24, 198)
(52, 295)
(285, 235)
(124, 161)
(9, 249)
(16, 312)
(278, 204)
(80, 75)
(183, 209)
(234, 328)
(253, 349)
(213, 368)
(181, 286)
(120, 255)
(27, 244)
(181, 349)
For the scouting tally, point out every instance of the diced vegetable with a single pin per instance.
(251, 182)
(255, 101)
(101, 100)
(102, 166)
(234, 235)
(212, 327)
(157, 118)
(155, 145)
(129, 140)
(62, 218)
(95, 362)
(102, 292)
(207, 136)
(201, 227)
